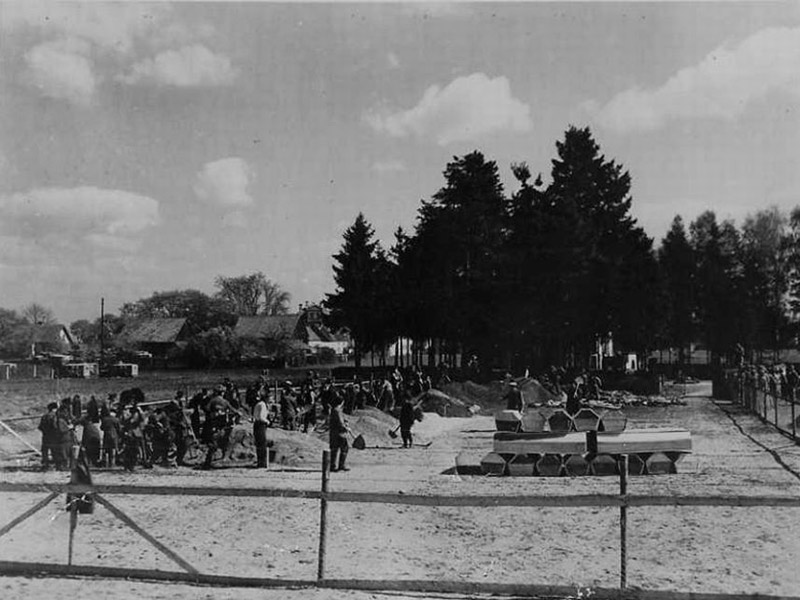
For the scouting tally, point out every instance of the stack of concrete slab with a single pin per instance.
(587, 443)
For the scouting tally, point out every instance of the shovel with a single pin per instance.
(359, 443)
(393, 432)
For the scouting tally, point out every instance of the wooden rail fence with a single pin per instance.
(623, 501)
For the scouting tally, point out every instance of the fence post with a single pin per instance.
(775, 402)
(323, 515)
(73, 523)
(623, 523)
(794, 426)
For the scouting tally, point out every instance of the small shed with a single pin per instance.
(81, 370)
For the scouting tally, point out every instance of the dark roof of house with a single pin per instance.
(51, 334)
(319, 333)
(160, 331)
(270, 327)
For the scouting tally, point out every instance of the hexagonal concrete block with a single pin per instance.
(637, 464)
(586, 420)
(613, 421)
(523, 465)
(493, 464)
(576, 465)
(508, 420)
(533, 421)
(560, 421)
(604, 464)
(659, 463)
(550, 465)
(676, 457)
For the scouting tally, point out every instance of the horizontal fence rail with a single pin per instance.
(561, 501)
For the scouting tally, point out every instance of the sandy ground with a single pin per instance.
(697, 549)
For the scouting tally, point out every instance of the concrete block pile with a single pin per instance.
(586, 443)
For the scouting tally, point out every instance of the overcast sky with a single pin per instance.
(149, 147)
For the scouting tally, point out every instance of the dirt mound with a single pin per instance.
(295, 448)
(434, 401)
(373, 424)
(535, 393)
(472, 393)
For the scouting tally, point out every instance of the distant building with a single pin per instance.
(157, 337)
(300, 332)
(54, 338)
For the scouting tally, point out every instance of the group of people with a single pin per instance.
(114, 431)
(124, 430)
(779, 381)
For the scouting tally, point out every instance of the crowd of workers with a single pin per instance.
(780, 381)
(124, 430)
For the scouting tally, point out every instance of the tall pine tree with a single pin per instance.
(357, 276)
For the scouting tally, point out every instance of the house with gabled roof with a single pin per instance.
(302, 331)
(158, 336)
(51, 338)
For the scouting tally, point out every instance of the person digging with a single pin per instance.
(337, 431)
(407, 419)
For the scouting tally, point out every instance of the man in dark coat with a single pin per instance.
(513, 398)
(288, 407)
(47, 425)
(91, 440)
(93, 409)
(407, 418)
(112, 432)
(65, 437)
(178, 425)
(217, 426)
(338, 430)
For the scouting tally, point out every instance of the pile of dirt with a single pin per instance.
(371, 423)
(472, 393)
(535, 393)
(435, 401)
(295, 448)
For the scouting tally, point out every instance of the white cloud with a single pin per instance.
(389, 166)
(111, 26)
(224, 182)
(466, 109)
(58, 222)
(720, 86)
(110, 35)
(61, 69)
(189, 66)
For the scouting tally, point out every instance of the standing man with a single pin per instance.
(338, 430)
(513, 398)
(47, 425)
(407, 418)
(260, 431)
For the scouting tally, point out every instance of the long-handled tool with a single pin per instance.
(393, 432)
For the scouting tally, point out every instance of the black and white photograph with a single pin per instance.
(399, 300)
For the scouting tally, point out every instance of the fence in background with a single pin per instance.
(775, 406)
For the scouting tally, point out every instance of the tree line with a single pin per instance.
(537, 277)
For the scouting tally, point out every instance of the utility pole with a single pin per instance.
(102, 333)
